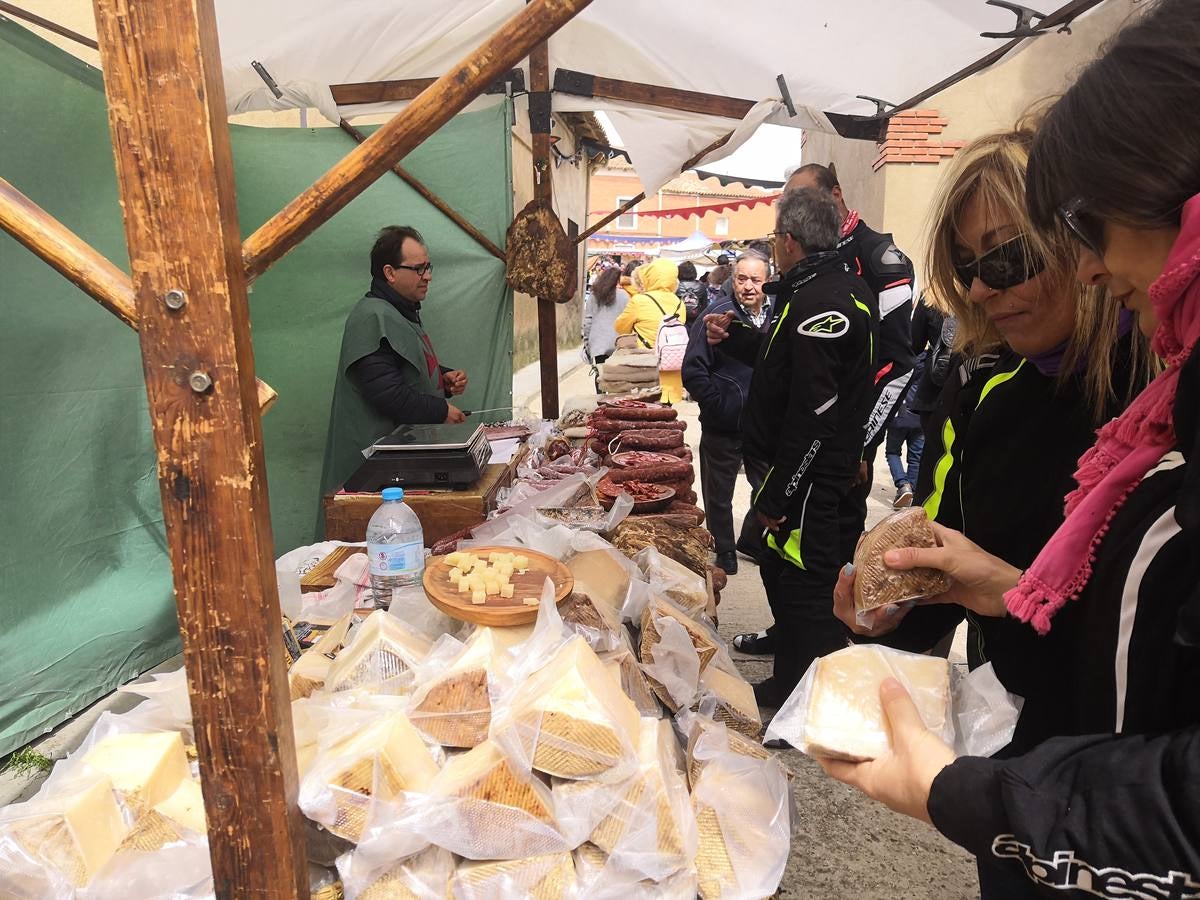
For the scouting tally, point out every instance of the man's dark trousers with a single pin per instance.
(799, 583)
(720, 463)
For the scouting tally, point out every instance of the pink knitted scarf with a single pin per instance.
(1125, 449)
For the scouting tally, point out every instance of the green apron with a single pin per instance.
(353, 423)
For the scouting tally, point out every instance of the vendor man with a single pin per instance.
(388, 374)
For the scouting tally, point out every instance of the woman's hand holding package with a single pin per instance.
(980, 579)
(902, 778)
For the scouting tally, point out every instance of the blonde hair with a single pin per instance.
(991, 169)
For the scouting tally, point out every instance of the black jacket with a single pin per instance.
(716, 380)
(889, 275)
(1113, 806)
(812, 388)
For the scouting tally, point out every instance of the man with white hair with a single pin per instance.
(810, 397)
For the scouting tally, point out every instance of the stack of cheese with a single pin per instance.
(627, 370)
(131, 793)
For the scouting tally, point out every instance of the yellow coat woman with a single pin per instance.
(645, 313)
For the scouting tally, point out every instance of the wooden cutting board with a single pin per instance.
(496, 610)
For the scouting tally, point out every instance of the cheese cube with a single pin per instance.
(455, 574)
(186, 806)
(464, 586)
(478, 597)
(845, 719)
(76, 831)
(521, 562)
(145, 768)
(453, 559)
(506, 591)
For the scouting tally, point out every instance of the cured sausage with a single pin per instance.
(602, 423)
(650, 439)
(639, 413)
(658, 473)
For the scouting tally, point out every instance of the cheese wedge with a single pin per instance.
(548, 877)
(702, 639)
(598, 878)
(624, 668)
(419, 877)
(645, 820)
(600, 575)
(308, 674)
(736, 706)
(495, 799)
(596, 622)
(380, 760)
(381, 656)
(845, 719)
(733, 741)
(578, 722)
(454, 708)
(78, 833)
(145, 768)
(687, 589)
(186, 807)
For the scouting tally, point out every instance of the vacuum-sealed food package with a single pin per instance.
(380, 657)
(875, 584)
(835, 710)
(547, 877)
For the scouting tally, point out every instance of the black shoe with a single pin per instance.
(760, 643)
(728, 562)
(751, 553)
(768, 694)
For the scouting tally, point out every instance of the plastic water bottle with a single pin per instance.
(395, 546)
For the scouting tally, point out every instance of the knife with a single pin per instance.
(477, 412)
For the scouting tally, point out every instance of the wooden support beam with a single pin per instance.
(442, 206)
(75, 260)
(359, 92)
(167, 114)
(17, 13)
(543, 191)
(634, 201)
(584, 84)
(426, 114)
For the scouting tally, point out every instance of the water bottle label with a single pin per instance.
(396, 559)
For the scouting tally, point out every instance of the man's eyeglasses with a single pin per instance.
(1003, 267)
(422, 269)
(1084, 227)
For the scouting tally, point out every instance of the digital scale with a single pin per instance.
(423, 456)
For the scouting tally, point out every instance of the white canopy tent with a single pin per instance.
(829, 55)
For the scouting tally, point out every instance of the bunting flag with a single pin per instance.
(684, 212)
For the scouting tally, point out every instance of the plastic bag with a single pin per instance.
(422, 876)
(985, 714)
(167, 705)
(875, 584)
(708, 739)
(677, 582)
(601, 878)
(549, 876)
(380, 656)
(569, 718)
(672, 664)
(594, 621)
(412, 607)
(835, 709)
(743, 818)
(623, 665)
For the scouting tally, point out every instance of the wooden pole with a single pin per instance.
(442, 206)
(426, 114)
(543, 192)
(634, 201)
(17, 13)
(167, 114)
(76, 261)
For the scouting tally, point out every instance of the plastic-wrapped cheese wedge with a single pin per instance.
(548, 877)
(380, 656)
(500, 812)
(380, 760)
(594, 621)
(75, 831)
(602, 575)
(453, 706)
(708, 739)
(743, 820)
(835, 710)
(186, 807)
(600, 878)
(423, 876)
(736, 706)
(623, 666)
(308, 674)
(704, 641)
(570, 718)
(651, 830)
(145, 768)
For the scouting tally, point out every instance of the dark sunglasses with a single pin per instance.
(1084, 227)
(1003, 267)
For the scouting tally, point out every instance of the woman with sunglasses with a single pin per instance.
(1113, 809)
(1015, 417)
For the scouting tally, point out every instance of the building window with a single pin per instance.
(722, 225)
(627, 221)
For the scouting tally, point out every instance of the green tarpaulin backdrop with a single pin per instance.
(85, 587)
